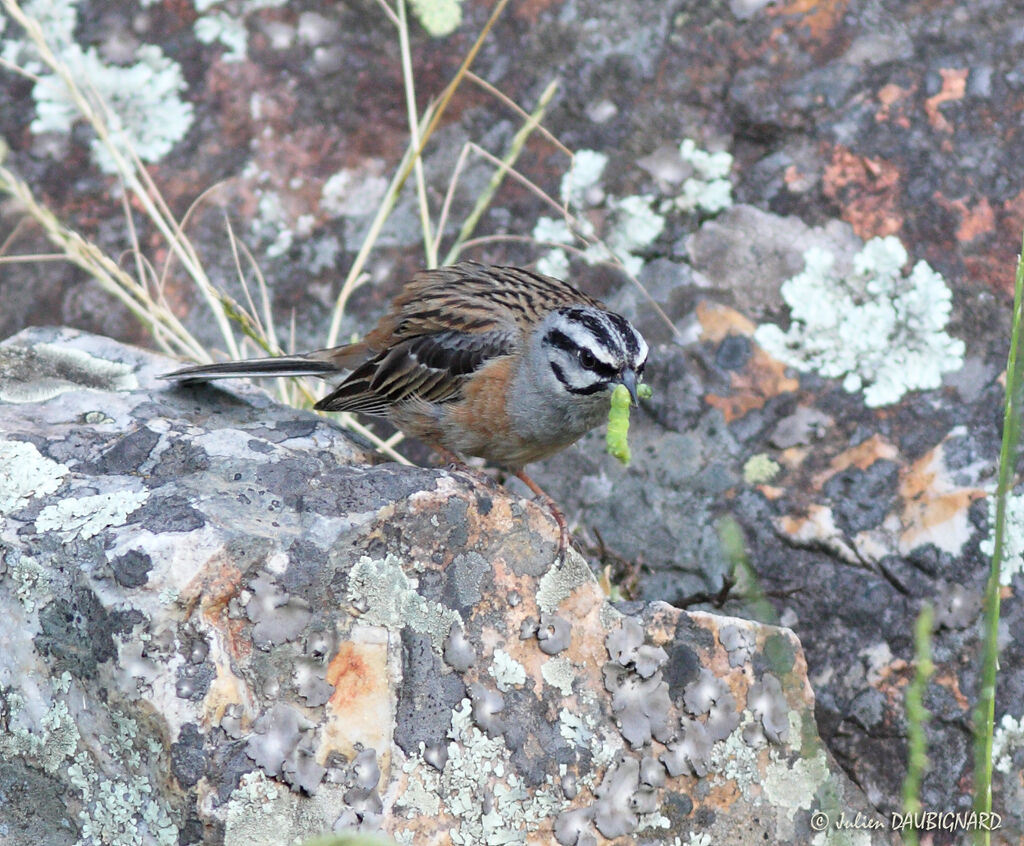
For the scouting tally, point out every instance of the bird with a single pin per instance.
(500, 363)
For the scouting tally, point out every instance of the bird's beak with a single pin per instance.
(629, 380)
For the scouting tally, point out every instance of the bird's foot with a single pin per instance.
(564, 538)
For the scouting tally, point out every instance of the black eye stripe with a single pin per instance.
(572, 389)
(599, 368)
(557, 338)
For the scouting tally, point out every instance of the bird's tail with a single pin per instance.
(283, 365)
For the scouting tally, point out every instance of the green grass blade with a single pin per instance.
(917, 718)
(984, 715)
(509, 160)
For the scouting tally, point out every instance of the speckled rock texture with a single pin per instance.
(223, 623)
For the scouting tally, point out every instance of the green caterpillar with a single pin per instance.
(618, 421)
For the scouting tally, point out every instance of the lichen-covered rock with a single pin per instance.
(224, 624)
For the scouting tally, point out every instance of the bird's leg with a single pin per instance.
(454, 462)
(451, 459)
(556, 512)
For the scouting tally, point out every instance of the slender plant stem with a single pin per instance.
(917, 719)
(984, 715)
(509, 160)
(409, 80)
(431, 118)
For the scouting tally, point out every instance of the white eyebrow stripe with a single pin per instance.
(584, 338)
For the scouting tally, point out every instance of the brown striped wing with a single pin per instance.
(444, 326)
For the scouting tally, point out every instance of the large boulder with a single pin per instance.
(224, 622)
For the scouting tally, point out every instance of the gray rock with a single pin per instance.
(225, 624)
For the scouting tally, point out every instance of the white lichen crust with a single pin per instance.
(874, 328)
(1013, 541)
(143, 106)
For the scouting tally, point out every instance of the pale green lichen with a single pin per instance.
(1013, 542)
(226, 25)
(84, 369)
(227, 30)
(255, 794)
(581, 183)
(636, 226)
(87, 516)
(791, 787)
(559, 582)
(26, 474)
(273, 223)
(355, 193)
(49, 745)
(481, 766)
(420, 797)
(734, 760)
(438, 17)
(559, 673)
(30, 582)
(577, 728)
(507, 671)
(387, 597)
(125, 810)
(759, 469)
(876, 329)
(53, 370)
(56, 18)
(633, 223)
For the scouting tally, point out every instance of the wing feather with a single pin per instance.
(430, 367)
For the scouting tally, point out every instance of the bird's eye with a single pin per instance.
(587, 359)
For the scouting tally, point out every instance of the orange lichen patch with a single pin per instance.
(977, 219)
(818, 528)
(954, 84)
(793, 457)
(360, 709)
(797, 180)
(798, 526)
(762, 378)
(949, 680)
(718, 321)
(891, 680)
(213, 587)
(989, 269)
(350, 674)
(722, 793)
(821, 18)
(893, 99)
(935, 508)
(1013, 209)
(225, 690)
(867, 190)
(861, 456)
